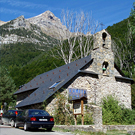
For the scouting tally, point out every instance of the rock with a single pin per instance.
(1, 22)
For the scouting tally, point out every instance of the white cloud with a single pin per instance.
(23, 4)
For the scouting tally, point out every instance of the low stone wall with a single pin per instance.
(93, 128)
(119, 127)
(79, 127)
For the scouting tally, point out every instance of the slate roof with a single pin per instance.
(43, 81)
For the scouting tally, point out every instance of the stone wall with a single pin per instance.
(120, 90)
(97, 88)
(91, 128)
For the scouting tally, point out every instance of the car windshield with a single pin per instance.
(38, 112)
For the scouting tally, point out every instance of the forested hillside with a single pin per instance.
(123, 46)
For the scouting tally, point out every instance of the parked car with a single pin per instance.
(34, 118)
(9, 117)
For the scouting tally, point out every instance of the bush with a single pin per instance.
(62, 114)
(88, 120)
(113, 113)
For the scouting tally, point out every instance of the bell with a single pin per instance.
(104, 69)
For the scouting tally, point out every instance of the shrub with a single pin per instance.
(63, 114)
(113, 113)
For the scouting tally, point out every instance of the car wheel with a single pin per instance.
(49, 129)
(12, 123)
(25, 127)
(16, 125)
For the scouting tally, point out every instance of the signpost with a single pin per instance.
(78, 96)
(78, 109)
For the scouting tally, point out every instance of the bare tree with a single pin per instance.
(124, 52)
(78, 44)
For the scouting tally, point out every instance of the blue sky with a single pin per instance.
(107, 12)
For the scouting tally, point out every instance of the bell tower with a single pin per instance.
(103, 58)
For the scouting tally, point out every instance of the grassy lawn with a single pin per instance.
(78, 132)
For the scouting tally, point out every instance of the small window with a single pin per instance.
(54, 85)
(104, 35)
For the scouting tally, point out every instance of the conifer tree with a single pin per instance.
(7, 87)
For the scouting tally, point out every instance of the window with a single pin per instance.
(104, 35)
(54, 85)
(39, 112)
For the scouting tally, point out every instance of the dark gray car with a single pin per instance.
(34, 118)
(10, 116)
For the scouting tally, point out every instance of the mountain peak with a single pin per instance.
(47, 15)
(50, 24)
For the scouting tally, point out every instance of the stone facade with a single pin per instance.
(102, 54)
(97, 88)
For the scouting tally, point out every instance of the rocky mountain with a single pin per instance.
(1, 22)
(50, 25)
(33, 30)
(21, 30)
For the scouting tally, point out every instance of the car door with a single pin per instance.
(25, 116)
(21, 118)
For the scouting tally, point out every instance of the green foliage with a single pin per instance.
(44, 104)
(121, 35)
(7, 87)
(12, 104)
(132, 15)
(61, 113)
(133, 93)
(17, 55)
(40, 64)
(88, 119)
(113, 113)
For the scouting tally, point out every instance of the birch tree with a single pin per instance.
(78, 44)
